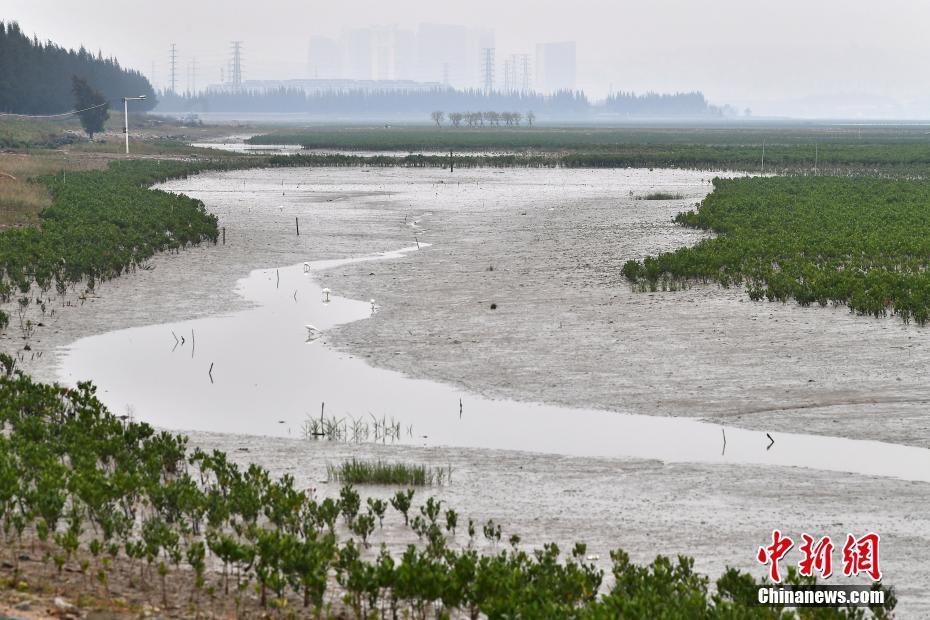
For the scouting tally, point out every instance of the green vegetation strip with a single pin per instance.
(98, 493)
(379, 472)
(884, 151)
(838, 160)
(101, 224)
(862, 242)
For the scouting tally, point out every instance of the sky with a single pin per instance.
(814, 58)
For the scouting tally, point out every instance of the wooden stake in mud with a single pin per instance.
(297, 223)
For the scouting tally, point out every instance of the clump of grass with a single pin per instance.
(380, 472)
(662, 196)
(21, 202)
(355, 430)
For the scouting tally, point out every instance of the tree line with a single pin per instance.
(663, 104)
(480, 119)
(37, 77)
(347, 103)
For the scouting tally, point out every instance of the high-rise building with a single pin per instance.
(477, 41)
(436, 53)
(517, 74)
(442, 52)
(405, 55)
(357, 54)
(324, 60)
(555, 66)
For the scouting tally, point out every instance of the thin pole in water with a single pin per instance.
(297, 223)
(224, 235)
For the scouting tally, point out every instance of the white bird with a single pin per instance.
(306, 267)
(326, 293)
(313, 332)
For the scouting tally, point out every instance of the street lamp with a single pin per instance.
(126, 101)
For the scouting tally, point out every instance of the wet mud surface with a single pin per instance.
(546, 248)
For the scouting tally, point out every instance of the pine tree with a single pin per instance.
(94, 107)
(35, 76)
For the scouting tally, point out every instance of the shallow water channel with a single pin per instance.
(261, 371)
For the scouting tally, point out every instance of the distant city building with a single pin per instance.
(555, 66)
(437, 53)
(517, 74)
(442, 54)
(357, 54)
(324, 59)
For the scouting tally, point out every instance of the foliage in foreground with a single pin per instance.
(100, 224)
(96, 489)
(856, 241)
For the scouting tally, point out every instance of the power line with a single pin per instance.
(192, 76)
(236, 67)
(62, 115)
(174, 67)
(487, 69)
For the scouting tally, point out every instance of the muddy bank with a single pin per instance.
(718, 514)
(546, 247)
(258, 214)
(567, 329)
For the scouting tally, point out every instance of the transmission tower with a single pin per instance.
(173, 62)
(192, 79)
(487, 69)
(524, 64)
(236, 65)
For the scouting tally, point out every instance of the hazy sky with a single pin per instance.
(778, 57)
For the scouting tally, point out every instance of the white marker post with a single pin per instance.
(126, 101)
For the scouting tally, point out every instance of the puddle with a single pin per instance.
(255, 149)
(255, 372)
(292, 149)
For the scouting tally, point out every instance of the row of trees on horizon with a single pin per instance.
(422, 103)
(480, 119)
(38, 78)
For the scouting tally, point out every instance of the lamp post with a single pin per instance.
(126, 101)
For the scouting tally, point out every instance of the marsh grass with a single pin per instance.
(25, 132)
(381, 472)
(353, 430)
(21, 202)
(662, 196)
